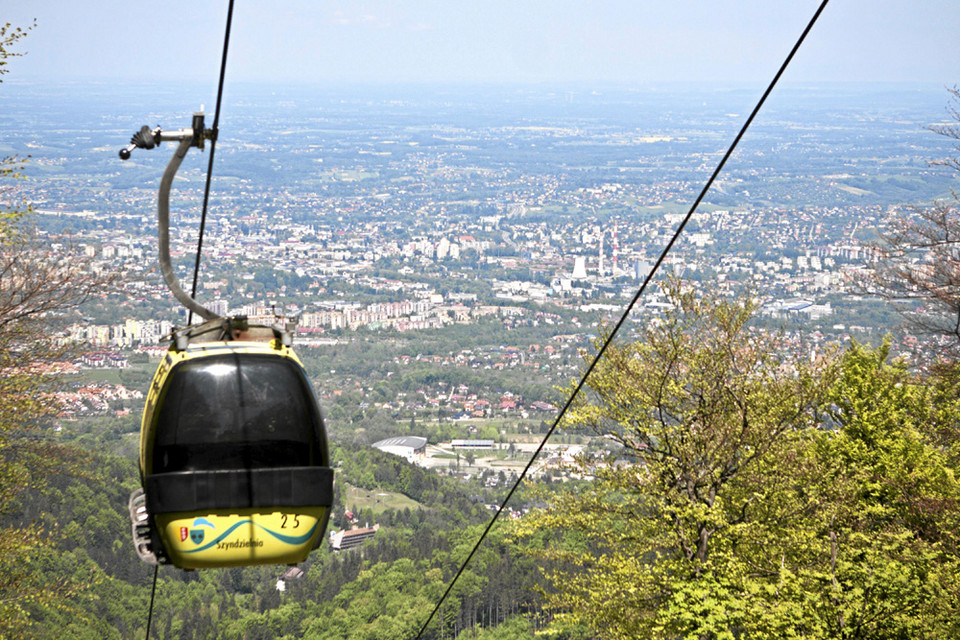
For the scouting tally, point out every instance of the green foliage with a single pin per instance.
(516, 628)
(9, 36)
(893, 529)
(386, 587)
(32, 286)
(757, 496)
(10, 166)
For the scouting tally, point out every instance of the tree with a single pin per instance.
(757, 494)
(919, 270)
(666, 541)
(37, 282)
(10, 166)
(891, 523)
(919, 267)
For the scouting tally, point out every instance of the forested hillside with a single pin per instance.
(387, 587)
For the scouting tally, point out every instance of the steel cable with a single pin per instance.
(626, 313)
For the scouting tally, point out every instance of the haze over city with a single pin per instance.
(514, 42)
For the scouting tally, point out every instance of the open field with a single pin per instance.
(377, 501)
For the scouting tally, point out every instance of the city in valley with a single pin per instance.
(449, 255)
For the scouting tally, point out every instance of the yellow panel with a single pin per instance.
(197, 540)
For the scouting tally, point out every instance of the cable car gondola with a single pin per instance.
(233, 455)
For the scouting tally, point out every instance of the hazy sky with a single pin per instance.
(631, 41)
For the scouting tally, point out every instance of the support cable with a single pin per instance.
(213, 146)
(153, 592)
(203, 220)
(626, 313)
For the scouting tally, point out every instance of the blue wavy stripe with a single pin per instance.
(294, 540)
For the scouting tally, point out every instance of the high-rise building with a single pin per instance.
(219, 307)
(640, 269)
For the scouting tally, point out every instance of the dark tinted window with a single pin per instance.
(234, 412)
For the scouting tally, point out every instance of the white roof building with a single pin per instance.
(410, 447)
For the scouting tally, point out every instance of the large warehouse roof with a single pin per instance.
(413, 442)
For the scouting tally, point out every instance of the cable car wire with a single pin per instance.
(626, 313)
(153, 592)
(213, 147)
(203, 222)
